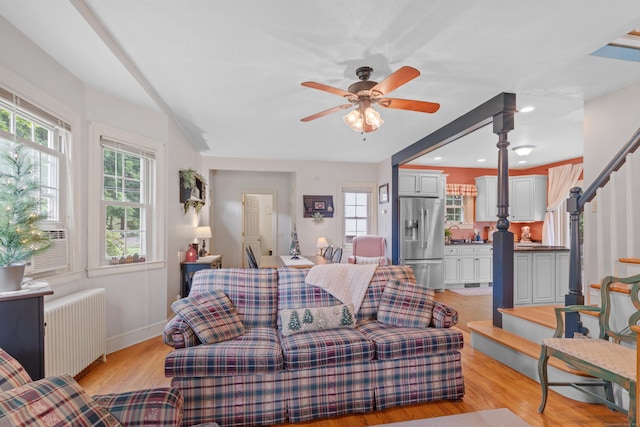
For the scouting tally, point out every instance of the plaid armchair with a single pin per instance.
(61, 400)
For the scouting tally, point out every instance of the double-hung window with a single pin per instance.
(47, 140)
(125, 220)
(357, 213)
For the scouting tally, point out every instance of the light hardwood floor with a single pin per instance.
(489, 384)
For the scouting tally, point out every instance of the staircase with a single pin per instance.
(517, 343)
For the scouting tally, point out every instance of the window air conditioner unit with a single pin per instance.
(54, 258)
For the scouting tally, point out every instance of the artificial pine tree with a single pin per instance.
(21, 209)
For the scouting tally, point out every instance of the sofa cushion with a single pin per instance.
(384, 273)
(12, 374)
(405, 304)
(298, 320)
(257, 351)
(253, 291)
(53, 401)
(394, 342)
(325, 347)
(211, 315)
(157, 407)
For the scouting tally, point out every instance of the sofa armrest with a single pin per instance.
(443, 316)
(154, 407)
(178, 334)
(351, 259)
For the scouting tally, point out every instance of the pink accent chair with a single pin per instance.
(367, 248)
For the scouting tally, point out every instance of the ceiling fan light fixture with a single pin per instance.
(356, 120)
(524, 150)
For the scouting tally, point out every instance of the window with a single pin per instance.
(454, 210)
(124, 221)
(460, 205)
(46, 138)
(125, 200)
(357, 213)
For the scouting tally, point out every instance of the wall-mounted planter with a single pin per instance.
(192, 190)
(322, 205)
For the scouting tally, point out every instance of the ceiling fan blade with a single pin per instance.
(409, 104)
(326, 112)
(395, 80)
(327, 88)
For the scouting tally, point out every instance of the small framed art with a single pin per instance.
(383, 193)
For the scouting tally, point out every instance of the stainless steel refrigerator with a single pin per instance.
(422, 239)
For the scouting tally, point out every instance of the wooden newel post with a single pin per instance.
(503, 238)
(575, 295)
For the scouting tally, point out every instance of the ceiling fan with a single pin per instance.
(365, 93)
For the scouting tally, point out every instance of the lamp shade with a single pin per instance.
(203, 232)
(322, 243)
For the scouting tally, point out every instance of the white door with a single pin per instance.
(251, 232)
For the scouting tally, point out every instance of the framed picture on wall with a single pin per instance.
(383, 193)
(319, 206)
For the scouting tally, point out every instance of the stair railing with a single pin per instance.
(575, 206)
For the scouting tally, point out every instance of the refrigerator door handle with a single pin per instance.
(421, 227)
(426, 228)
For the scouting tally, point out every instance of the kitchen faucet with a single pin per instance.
(455, 226)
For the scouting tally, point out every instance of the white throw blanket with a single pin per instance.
(347, 282)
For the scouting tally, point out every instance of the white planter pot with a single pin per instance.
(11, 278)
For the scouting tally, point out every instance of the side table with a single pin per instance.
(187, 269)
(22, 331)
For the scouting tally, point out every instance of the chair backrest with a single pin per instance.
(369, 246)
(337, 255)
(328, 253)
(251, 258)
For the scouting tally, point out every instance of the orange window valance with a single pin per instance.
(461, 190)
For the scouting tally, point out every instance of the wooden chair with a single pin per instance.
(603, 358)
(251, 258)
(337, 255)
(328, 253)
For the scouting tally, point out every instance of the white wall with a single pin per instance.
(610, 121)
(231, 177)
(385, 224)
(137, 303)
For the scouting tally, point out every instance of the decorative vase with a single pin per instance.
(191, 255)
(11, 278)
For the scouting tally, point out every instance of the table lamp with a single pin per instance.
(203, 232)
(322, 244)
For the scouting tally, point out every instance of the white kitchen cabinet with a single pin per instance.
(487, 198)
(540, 277)
(544, 277)
(451, 274)
(522, 278)
(468, 264)
(415, 183)
(527, 198)
(562, 276)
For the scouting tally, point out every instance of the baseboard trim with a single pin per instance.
(134, 337)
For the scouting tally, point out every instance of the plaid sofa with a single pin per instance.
(264, 377)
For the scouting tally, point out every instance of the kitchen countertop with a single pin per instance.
(517, 247)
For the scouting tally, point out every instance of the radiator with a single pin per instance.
(75, 332)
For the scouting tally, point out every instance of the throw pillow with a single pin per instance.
(211, 315)
(367, 259)
(406, 304)
(12, 374)
(53, 401)
(298, 320)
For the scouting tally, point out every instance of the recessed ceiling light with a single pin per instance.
(522, 162)
(527, 109)
(523, 150)
(482, 160)
(437, 158)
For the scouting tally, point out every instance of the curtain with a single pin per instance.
(555, 227)
(462, 190)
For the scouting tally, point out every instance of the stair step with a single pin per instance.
(630, 260)
(616, 287)
(517, 343)
(543, 315)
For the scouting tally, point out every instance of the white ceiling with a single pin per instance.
(230, 71)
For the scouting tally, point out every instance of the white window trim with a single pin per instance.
(372, 214)
(156, 234)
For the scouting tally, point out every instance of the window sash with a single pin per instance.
(357, 213)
